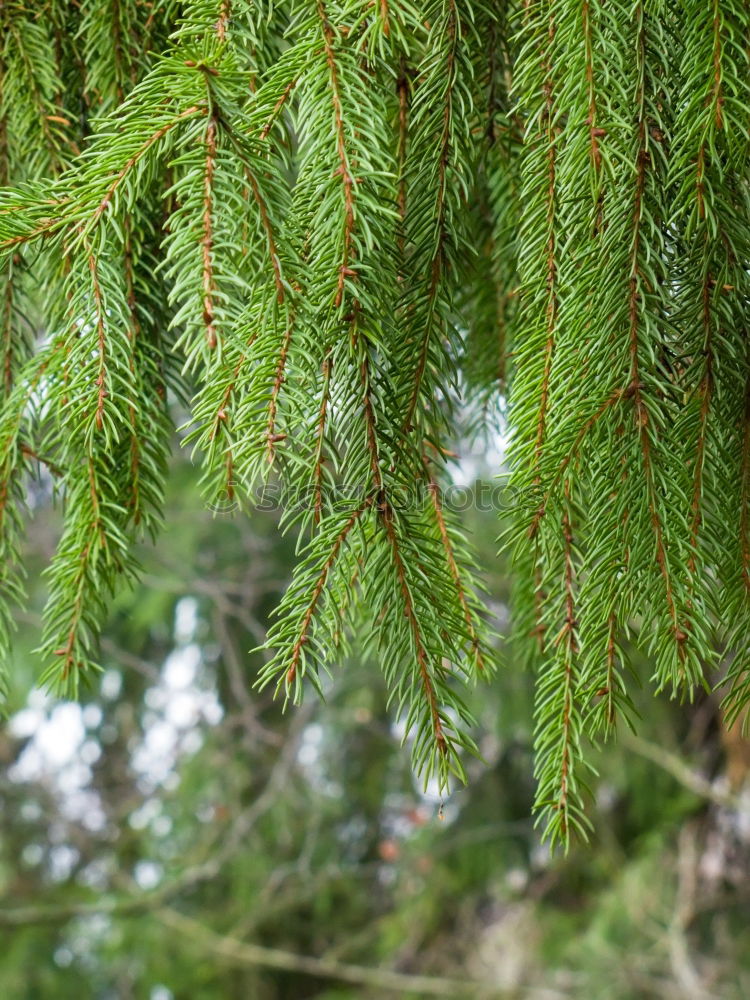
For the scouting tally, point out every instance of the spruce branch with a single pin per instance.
(332, 238)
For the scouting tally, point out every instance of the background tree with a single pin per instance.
(324, 223)
(175, 833)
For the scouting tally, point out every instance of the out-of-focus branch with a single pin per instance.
(214, 855)
(680, 771)
(239, 952)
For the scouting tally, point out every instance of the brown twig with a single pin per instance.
(347, 180)
(207, 241)
(450, 556)
(318, 588)
(158, 134)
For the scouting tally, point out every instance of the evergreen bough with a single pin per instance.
(328, 222)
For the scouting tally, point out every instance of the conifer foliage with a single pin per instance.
(299, 236)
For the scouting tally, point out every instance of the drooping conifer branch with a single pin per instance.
(435, 267)
(744, 522)
(567, 638)
(271, 436)
(317, 591)
(635, 385)
(320, 431)
(347, 180)
(7, 331)
(101, 340)
(551, 259)
(139, 154)
(450, 555)
(383, 219)
(207, 240)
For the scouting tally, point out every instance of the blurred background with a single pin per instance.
(178, 835)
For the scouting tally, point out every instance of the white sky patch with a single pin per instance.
(311, 745)
(178, 706)
(59, 755)
(473, 465)
(185, 620)
(61, 860)
(147, 875)
(64, 739)
(110, 685)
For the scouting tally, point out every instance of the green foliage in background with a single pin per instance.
(217, 862)
(328, 224)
